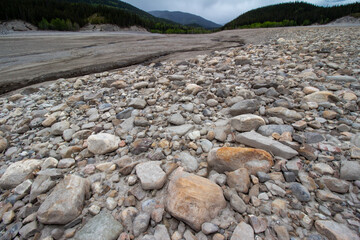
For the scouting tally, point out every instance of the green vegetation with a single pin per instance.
(291, 14)
(268, 24)
(70, 15)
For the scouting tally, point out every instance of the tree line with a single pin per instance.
(292, 14)
(65, 16)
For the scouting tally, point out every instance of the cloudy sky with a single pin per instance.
(219, 11)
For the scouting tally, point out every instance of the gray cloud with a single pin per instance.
(219, 11)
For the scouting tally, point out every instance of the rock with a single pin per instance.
(137, 103)
(23, 188)
(275, 189)
(188, 162)
(8, 217)
(239, 180)
(176, 119)
(320, 97)
(141, 145)
(335, 231)
(103, 143)
(341, 78)
(237, 203)
(259, 224)
(66, 163)
(284, 113)
(230, 159)
(189, 197)
(141, 223)
(209, 228)
(161, 232)
(243, 231)
(17, 172)
(244, 106)
(282, 232)
(59, 127)
(300, 192)
(29, 230)
(268, 130)
(308, 152)
(180, 130)
(103, 226)
(124, 114)
(350, 170)
(336, 185)
(289, 176)
(254, 139)
(246, 122)
(329, 114)
(206, 145)
(328, 196)
(151, 175)
(65, 202)
(323, 169)
(193, 89)
(3, 144)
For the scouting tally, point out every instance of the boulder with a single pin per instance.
(190, 197)
(65, 203)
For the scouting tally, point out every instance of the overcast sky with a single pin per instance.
(218, 11)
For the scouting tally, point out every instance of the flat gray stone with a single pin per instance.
(256, 140)
(180, 130)
(268, 130)
(341, 78)
(103, 226)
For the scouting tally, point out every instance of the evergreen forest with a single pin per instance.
(292, 14)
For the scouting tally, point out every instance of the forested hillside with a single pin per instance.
(291, 14)
(71, 15)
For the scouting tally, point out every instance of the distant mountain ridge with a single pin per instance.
(184, 18)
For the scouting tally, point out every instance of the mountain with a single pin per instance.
(291, 14)
(185, 19)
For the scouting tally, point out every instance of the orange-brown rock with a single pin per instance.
(193, 199)
(232, 158)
